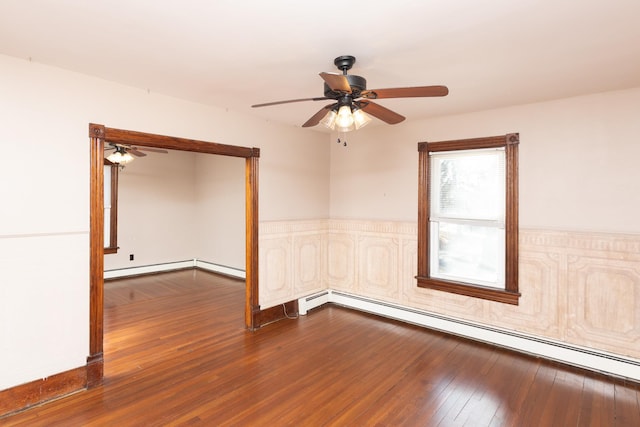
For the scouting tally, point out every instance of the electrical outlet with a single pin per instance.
(130, 257)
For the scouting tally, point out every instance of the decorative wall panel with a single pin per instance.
(339, 267)
(442, 302)
(408, 265)
(540, 305)
(275, 268)
(578, 288)
(308, 265)
(605, 312)
(291, 255)
(378, 267)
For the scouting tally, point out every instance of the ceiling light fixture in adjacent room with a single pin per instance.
(120, 156)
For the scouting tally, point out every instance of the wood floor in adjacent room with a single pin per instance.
(176, 353)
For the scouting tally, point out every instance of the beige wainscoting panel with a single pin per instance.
(543, 300)
(378, 267)
(604, 294)
(291, 255)
(275, 264)
(340, 261)
(408, 265)
(307, 250)
(379, 252)
(579, 288)
(452, 305)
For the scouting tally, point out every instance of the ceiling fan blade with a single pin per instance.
(267, 104)
(406, 92)
(135, 152)
(153, 150)
(112, 146)
(315, 119)
(382, 113)
(337, 82)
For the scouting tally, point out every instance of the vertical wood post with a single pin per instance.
(252, 307)
(95, 361)
(423, 214)
(511, 220)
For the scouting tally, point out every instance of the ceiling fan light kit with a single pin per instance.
(120, 156)
(124, 154)
(345, 118)
(350, 112)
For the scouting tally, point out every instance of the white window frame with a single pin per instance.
(436, 218)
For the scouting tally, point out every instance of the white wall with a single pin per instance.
(220, 210)
(180, 206)
(44, 215)
(156, 210)
(578, 163)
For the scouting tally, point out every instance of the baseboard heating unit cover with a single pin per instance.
(599, 361)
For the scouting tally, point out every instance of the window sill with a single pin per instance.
(110, 250)
(475, 291)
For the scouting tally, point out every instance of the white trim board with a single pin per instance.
(176, 265)
(222, 269)
(587, 358)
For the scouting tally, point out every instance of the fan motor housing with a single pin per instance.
(357, 83)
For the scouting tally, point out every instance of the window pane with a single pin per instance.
(107, 206)
(469, 253)
(468, 185)
(107, 188)
(107, 227)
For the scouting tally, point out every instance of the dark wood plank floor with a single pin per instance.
(176, 353)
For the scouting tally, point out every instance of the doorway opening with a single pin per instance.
(99, 135)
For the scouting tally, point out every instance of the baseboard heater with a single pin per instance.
(171, 266)
(582, 357)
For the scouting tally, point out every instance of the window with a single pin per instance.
(110, 207)
(468, 217)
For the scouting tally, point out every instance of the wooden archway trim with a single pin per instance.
(99, 135)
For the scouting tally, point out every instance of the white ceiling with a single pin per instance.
(235, 53)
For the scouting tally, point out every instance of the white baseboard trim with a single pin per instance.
(587, 358)
(169, 266)
(147, 269)
(222, 269)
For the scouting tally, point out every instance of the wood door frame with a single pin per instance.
(98, 135)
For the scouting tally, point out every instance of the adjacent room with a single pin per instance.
(418, 213)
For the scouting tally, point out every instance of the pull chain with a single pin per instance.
(342, 139)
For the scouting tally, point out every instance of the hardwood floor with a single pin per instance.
(176, 353)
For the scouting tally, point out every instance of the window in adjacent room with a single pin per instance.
(110, 207)
(468, 217)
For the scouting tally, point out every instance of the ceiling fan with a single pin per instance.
(123, 153)
(352, 98)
